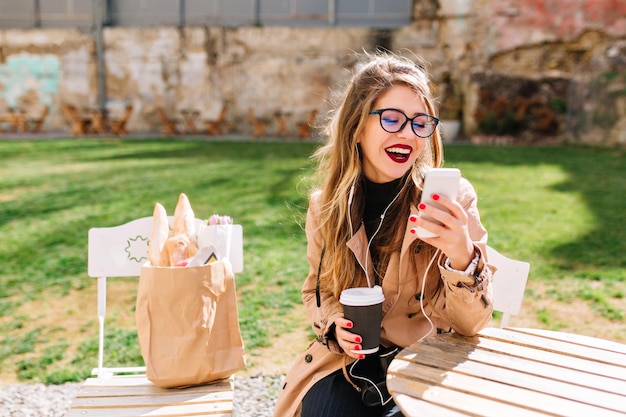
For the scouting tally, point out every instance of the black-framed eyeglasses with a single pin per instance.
(394, 120)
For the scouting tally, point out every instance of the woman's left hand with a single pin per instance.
(453, 237)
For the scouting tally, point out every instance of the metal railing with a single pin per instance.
(81, 13)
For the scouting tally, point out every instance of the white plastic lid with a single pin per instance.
(362, 296)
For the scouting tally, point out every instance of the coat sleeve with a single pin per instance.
(468, 298)
(323, 316)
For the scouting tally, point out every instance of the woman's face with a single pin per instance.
(388, 156)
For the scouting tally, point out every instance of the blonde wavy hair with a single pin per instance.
(340, 167)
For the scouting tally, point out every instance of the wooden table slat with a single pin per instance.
(94, 388)
(510, 372)
(576, 338)
(539, 355)
(471, 404)
(429, 409)
(126, 396)
(562, 347)
(142, 380)
(172, 411)
(152, 400)
(459, 352)
(510, 386)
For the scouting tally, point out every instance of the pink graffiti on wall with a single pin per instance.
(519, 22)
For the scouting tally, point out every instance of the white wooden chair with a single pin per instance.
(509, 283)
(120, 251)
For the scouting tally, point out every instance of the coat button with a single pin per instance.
(308, 358)
(418, 296)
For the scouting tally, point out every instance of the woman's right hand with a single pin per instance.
(347, 340)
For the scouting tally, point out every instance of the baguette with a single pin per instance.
(180, 248)
(158, 237)
(184, 219)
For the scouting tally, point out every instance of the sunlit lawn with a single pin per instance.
(562, 209)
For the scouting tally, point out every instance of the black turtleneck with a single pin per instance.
(377, 198)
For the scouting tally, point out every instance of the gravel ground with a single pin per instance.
(254, 397)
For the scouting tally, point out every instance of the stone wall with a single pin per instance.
(526, 69)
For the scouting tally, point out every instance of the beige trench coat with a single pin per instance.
(403, 323)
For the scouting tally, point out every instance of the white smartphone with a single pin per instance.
(442, 181)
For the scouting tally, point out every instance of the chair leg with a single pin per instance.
(282, 125)
(78, 129)
(169, 128)
(212, 128)
(259, 130)
(37, 127)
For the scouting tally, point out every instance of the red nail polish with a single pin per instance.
(361, 356)
(349, 325)
(422, 206)
(358, 339)
(412, 231)
(435, 197)
(413, 218)
(357, 347)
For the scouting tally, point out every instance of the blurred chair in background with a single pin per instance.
(304, 128)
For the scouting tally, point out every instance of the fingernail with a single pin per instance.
(357, 347)
(422, 206)
(413, 218)
(435, 197)
(361, 356)
(358, 339)
(349, 325)
(412, 230)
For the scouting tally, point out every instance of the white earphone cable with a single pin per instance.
(369, 243)
(350, 209)
(432, 326)
(369, 284)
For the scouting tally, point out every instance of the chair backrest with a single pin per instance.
(222, 115)
(509, 283)
(120, 251)
(312, 117)
(70, 112)
(252, 116)
(128, 110)
(162, 115)
(4, 106)
(37, 112)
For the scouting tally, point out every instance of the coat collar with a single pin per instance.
(358, 245)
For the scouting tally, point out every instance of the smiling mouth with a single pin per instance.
(398, 154)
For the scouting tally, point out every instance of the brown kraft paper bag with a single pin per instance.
(188, 324)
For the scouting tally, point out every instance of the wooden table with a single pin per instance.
(126, 396)
(95, 121)
(281, 122)
(510, 372)
(189, 117)
(15, 118)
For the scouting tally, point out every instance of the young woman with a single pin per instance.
(382, 139)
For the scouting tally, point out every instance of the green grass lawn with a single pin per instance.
(560, 208)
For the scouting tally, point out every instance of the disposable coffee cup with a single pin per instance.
(363, 306)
